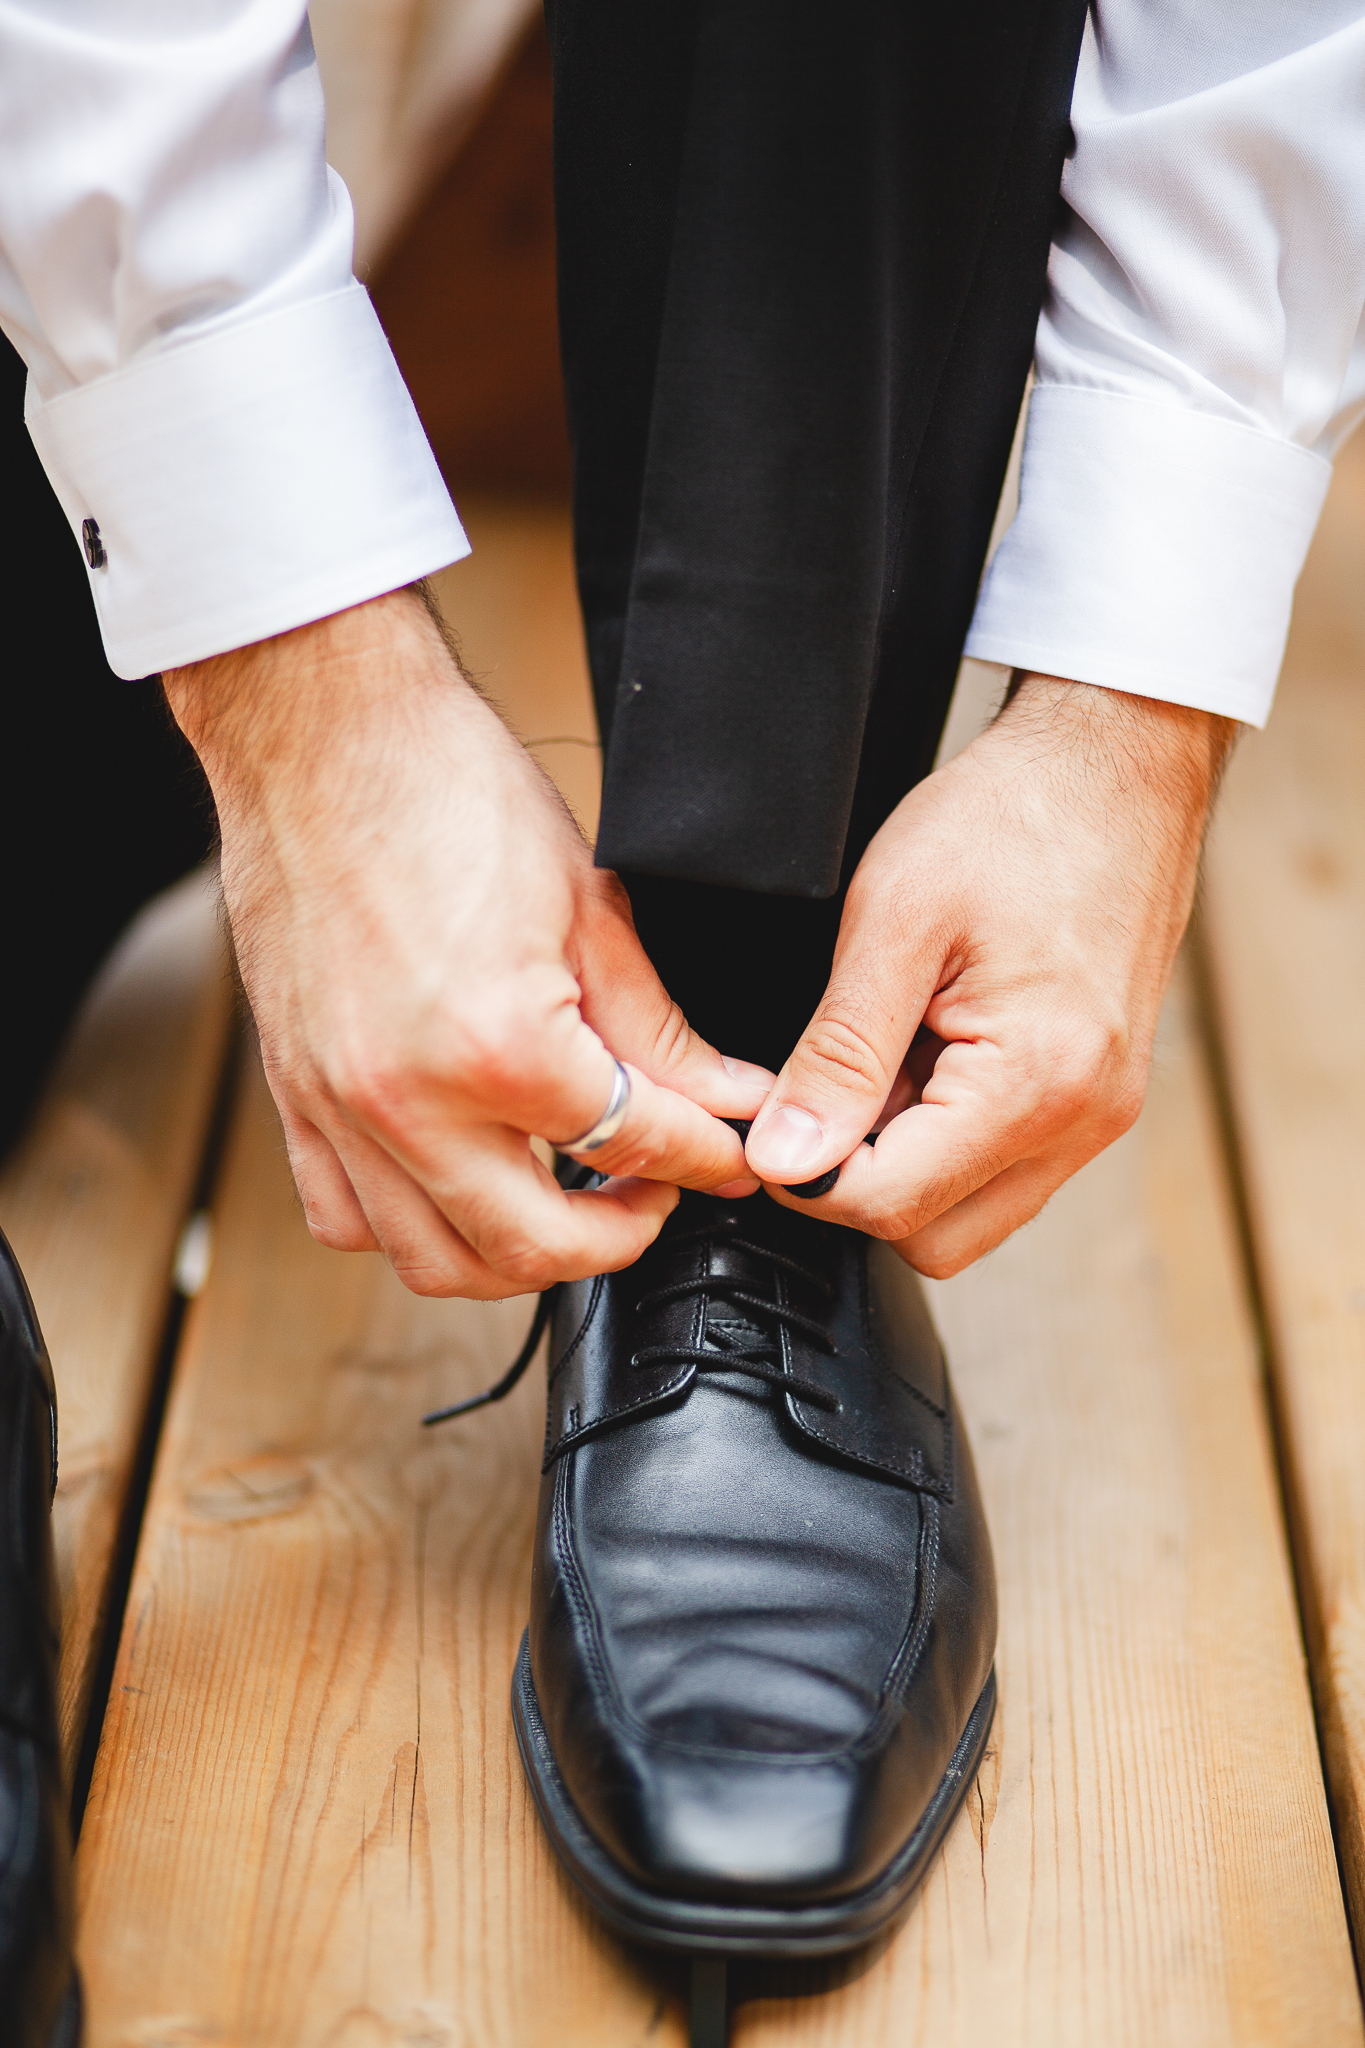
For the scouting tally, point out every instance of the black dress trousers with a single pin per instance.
(101, 801)
(802, 250)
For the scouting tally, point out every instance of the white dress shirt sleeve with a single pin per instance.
(207, 381)
(1200, 353)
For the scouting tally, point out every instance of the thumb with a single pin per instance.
(832, 1089)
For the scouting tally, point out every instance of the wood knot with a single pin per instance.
(249, 1489)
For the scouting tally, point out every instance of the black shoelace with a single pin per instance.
(761, 1361)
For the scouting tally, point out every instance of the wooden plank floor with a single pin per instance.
(1148, 1846)
(93, 1201)
(1286, 933)
(307, 1824)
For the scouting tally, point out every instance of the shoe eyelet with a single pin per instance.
(635, 1358)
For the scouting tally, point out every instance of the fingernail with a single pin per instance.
(789, 1140)
(745, 1070)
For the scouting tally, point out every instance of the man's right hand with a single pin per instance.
(436, 968)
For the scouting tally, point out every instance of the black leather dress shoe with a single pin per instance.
(39, 1998)
(757, 1679)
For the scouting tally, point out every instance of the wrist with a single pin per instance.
(1142, 750)
(262, 710)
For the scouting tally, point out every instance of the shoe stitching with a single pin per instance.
(654, 1398)
(607, 1697)
(651, 1399)
(602, 1684)
(874, 1350)
(594, 1299)
(905, 1663)
(692, 1358)
(917, 1470)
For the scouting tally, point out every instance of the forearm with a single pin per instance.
(1139, 777)
(1107, 743)
(271, 711)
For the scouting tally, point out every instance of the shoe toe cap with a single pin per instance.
(759, 1828)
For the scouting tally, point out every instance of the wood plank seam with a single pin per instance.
(1284, 923)
(84, 1742)
(92, 1200)
(1222, 1095)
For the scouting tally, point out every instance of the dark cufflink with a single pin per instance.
(94, 546)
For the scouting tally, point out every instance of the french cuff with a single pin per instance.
(1155, 550)
(262, 476)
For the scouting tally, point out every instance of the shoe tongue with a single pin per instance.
(727, 1330)
(734, 1326)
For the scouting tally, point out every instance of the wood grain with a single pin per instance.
(1147, 1857)
(308, 1823)
(1286, 932)
(93, 1201)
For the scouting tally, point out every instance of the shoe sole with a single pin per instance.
(717, 1928)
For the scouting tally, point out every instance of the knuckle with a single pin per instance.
(1082, 1064)
(428, 1276)
(937, 1262)
(497, 1055)
(369, 1081)
(338, 1236)
(898, 1217)
(529, 1266)
(624, 1162)
(894, 1225)
(888, 1218)
(1125, 1105)
(674, 1041)
(839, 1046)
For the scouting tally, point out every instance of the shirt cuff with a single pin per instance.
(266, 474)
(1155, 550)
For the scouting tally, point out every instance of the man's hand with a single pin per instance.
(1004, 949)
(436, 968)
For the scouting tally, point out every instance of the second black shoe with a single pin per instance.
(758, 1675)
(39, 1995)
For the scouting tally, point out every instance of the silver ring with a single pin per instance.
(611, 1119)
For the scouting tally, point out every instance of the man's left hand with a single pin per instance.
(1005, 946)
